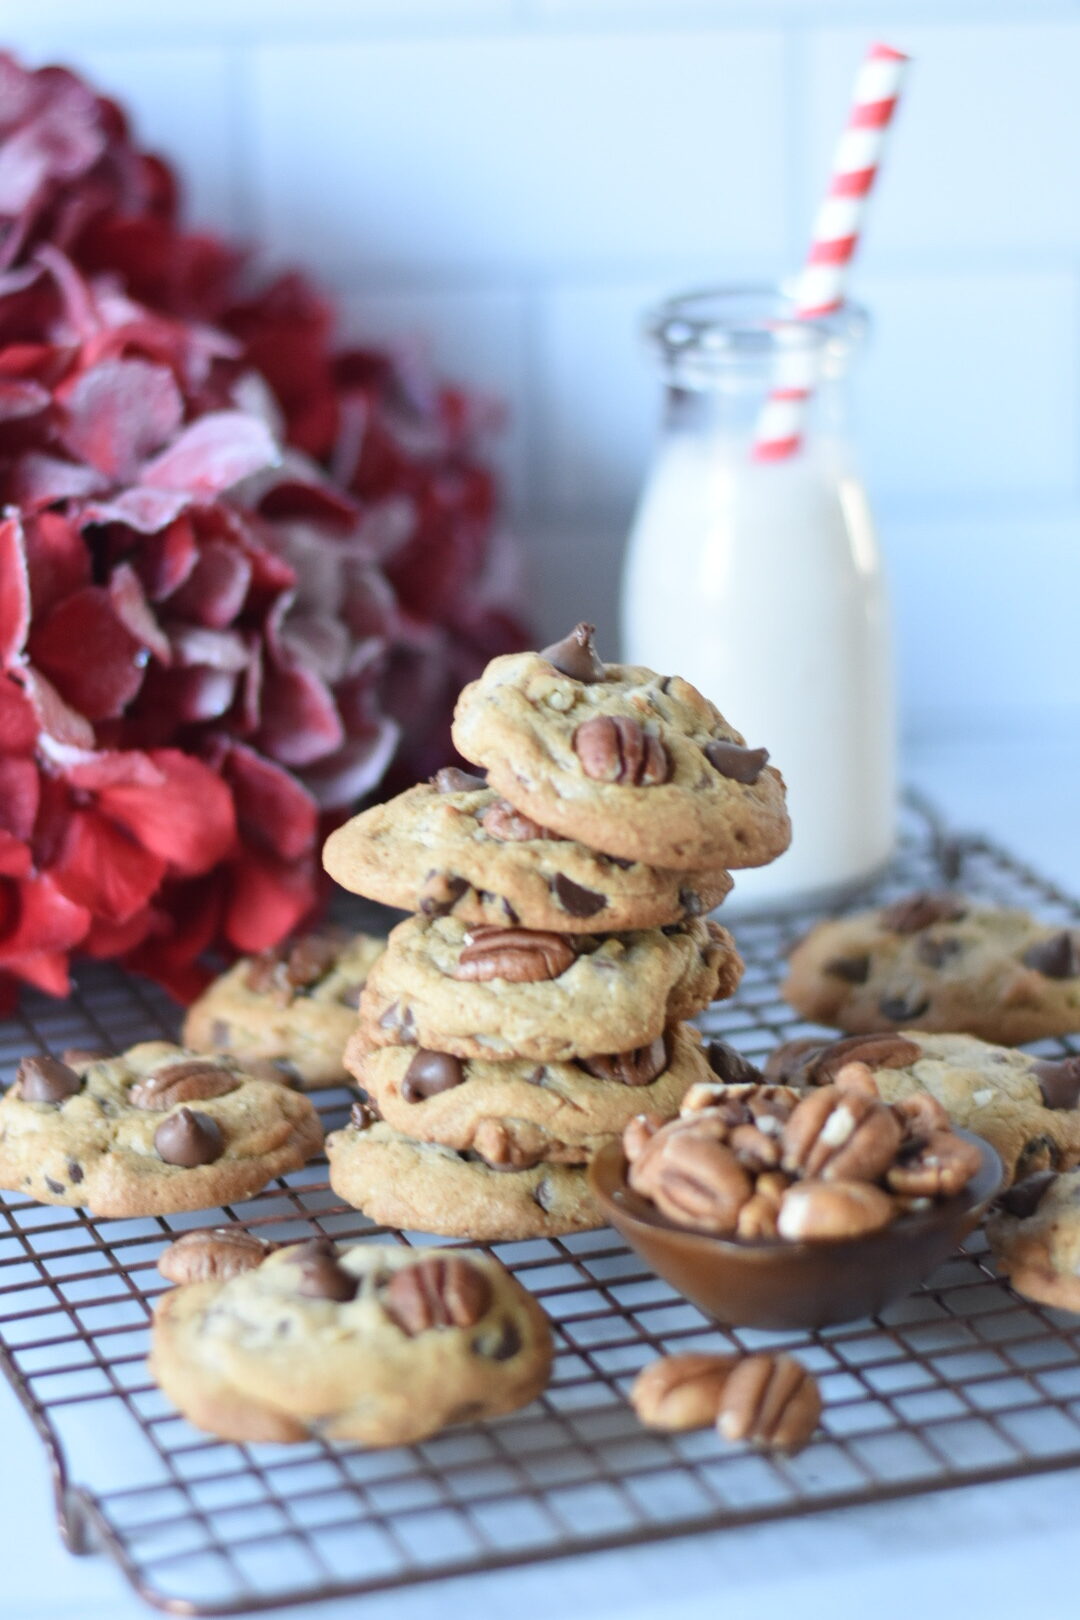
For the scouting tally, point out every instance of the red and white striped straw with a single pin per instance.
(822, 283)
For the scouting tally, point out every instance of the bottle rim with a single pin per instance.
(744, 324)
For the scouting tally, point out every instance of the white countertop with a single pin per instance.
(992, 1551)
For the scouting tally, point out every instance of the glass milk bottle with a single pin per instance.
(761, 582)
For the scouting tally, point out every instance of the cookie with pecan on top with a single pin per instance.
(624, 760)
(453, 846)
(939, 962)
(374, 1343)
(289, 1011)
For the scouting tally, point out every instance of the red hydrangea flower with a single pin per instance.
(241, 575)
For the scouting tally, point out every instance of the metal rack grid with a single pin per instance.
(960, 1383)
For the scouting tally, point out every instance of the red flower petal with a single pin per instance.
(214, 591)
(105, 869)
(56, 721)
(166, 558)
(85, 648)
(20, 398)
(20, 792)
(45, 970)
(300, 722)
(272, 808)
(40, 480)
(267, 899)
(14, 590)
(213, 454)
(189, 821)
(18, 722)
(133, 611)
(107, 939)
(44, 920)
(15, 856)
(215, 649)
(57, 558)
(355, 769)
(147, 510)
(119, 413)
(190, 916)
(122, 768)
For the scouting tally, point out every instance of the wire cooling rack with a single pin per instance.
(960, 1383)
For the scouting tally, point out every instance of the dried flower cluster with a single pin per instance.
(238, 572)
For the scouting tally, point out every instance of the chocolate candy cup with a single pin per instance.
(769, 1283)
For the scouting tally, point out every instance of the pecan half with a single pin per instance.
(437, 1293)
(761, 1216)
(811, 1062)
(637, 1068)
(518, 955)
(771, 1401)
(613, 748)
(212, 1256)
(190, 1080)
(680, 1392)
(280, 973)
(841, 1135)
(500, 820)
(938, 1167)
(917, 911)
(638, 1133)
(811, 1210)
(692, 1176)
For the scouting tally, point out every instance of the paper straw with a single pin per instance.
(822, 283)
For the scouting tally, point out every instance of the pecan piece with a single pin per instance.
(680, 1392)
(212, 1255)
(281, 972)
(638, 1133)
(760, 1217)
(692, 1176)
(518, 955)
(918, 911)
(770, 1400)
(937, 1167)
(190, 1080)
(437, 1293)
(639, 1067)
(811, 1210)
(500, 820)
(498, 1147)
(613, 748)
(440, 893)
(841, 1135)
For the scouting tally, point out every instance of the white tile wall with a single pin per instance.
(518, 178)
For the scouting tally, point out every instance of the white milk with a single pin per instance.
(762, 584)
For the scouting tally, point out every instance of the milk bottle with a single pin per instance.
(761, 582)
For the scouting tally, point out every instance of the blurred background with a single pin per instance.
(515, 180)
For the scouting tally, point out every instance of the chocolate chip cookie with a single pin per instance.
(1035, 1237)
(453, 846)
(425, 1187)
(287, 1014)
(374, 1343)
(1027, 1108)
(939, 962)
(517, 1114)
(156, 1130)
(500, 993)
(626, 761)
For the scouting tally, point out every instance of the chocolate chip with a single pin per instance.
(400, 1020)
(578, 901)
(321, 1277)
(1057, 957)
(901, 1009)
(1024, 1197)
(220, 1032)
(576, 656)
(75, 1171)
(430, 1073)
(918, 911)
(619, 861)
(362, 1115)
(1039, 1153)
(499, 1346)
(738, 764)
(692, 904)
(452, 780)
(54, 1186)
(46, 1080)
(80, 1056)
(1059, 1081)
(936, 952)
(852, 969)
(639, 1067)
(350, 996)
(441, 893)
(538, 1077)
(189, 1138)
(544, 1194)
(730, 1066)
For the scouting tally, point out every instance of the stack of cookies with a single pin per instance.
(536, 1000)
